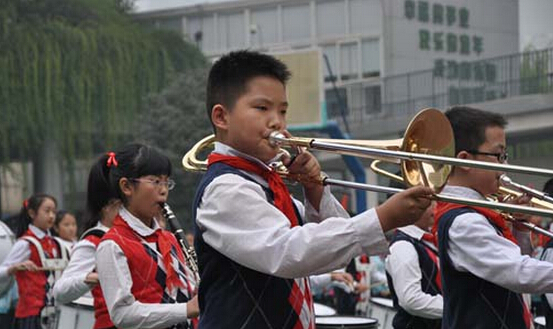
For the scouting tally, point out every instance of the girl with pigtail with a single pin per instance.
(36, 260)
(80, 276)
(140, 266)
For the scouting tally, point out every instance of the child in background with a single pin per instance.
(65, 227)
(36, 260)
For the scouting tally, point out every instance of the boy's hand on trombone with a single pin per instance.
(92, 279)
(27, 265)
(404, 208)
(523, 200)
(307, 170)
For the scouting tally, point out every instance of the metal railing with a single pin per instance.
(501, 77)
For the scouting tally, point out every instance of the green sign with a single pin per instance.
(448, 42)
(450, 16)
(478, 71)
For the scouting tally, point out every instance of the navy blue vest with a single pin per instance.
(469, 301)
(231, 295)
(546, 307)
(429, 270)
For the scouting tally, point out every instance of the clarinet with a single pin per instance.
(189, 252)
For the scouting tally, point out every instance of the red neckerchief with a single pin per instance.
(491, 215)
(172, 281)
(429, 237)
(282, 199)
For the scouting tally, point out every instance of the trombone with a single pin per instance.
(424, 158)
(536, 201)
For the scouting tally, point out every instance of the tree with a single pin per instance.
(534, 71)
(76, 71)
(175, 120)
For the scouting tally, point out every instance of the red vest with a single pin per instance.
(100, 310)
(32, 285)
(143, 268)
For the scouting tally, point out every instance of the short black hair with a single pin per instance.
(469, 126)
(230, 75)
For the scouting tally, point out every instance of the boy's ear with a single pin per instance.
(125, 186)
(219, 116)
(465, 156)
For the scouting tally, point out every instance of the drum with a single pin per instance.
(539, 322)
(323, 310)
(76, 315)
(383, 310)
(343, 322)
(7, 239)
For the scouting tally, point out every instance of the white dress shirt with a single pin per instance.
(403, 266)
(115, 278)
(72, 284)
(476, 247)
(21, 251)
(548, 256)
(237, 221)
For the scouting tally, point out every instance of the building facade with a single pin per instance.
(384, 60)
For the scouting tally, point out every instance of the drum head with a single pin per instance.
(331, 322)
(539, 322)
(386, 302)
(6, 242)
(323, 310)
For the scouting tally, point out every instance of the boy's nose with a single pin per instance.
(276, 123)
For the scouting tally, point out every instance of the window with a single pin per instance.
(231, 31)
(372, 99)
(263, 27)
(359, 11)
(201, 31)
(370, 57)
(336, 101)
(296, 23)
(330, 52)
(331, 18)
(349, 59)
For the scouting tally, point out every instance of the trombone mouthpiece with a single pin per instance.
(505, 181)
(276, 138)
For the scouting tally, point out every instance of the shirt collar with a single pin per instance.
(462, 191)
(416, 233)
(102, 226)
(136, 224)
(413, 231)
(229, 150)
(38, 232)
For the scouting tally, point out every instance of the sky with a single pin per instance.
(535, 22)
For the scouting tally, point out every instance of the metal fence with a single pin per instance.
(501, 77)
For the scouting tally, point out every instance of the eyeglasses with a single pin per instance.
(170, 184)
(501, 157)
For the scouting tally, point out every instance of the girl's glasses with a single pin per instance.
(170, 184)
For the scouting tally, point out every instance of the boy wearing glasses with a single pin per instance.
(484, 264)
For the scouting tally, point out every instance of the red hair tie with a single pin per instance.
(25, 203)
(111, 159)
